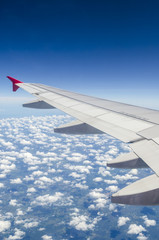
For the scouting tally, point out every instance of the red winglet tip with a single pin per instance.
(14, 81)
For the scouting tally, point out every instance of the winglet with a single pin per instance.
(14, 81)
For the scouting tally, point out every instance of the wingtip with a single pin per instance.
(14, 81)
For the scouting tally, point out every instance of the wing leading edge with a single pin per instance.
(137, 126)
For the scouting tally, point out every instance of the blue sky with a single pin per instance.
(104, 48)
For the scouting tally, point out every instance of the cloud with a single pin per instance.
(100, 202)
(149, 222)
(81, 186)
(111, 181)
(7, 168)
(8, 145)
(51, 170)
(98, 179)
(13, 202)
(1, 185)
(82, 222)
(76, 175)
(81, 169)
(99, 198)
(17, 235)
(16, 181)
(113, 150)
(112, 188)
(103, 172)
(58, 179)
(134, 171)
(46, 237)
(122, 221)
(20, 212)
(48, 199)
(37, 173)
(125, 147)
(31, 224)
(25, 142)
(31, 190)
(42, 181)
(4, 225)
(141, 237)
(125, 177)
(77, 157)
(2, 175)
(112, 206)
(135, 229)
(96, 193)
(32, 168)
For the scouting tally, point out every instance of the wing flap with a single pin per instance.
(128, 161)
(77, 127)
(38, 104)
(150, 133)
(141, 192)
(148, 151)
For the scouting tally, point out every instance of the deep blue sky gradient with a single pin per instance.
(105, 48)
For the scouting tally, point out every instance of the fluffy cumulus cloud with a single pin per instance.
(104, 172)
(135, 229)
(1, 185)
(4, 225)
(16, 181)
(42, 182)
(48, 199)
(17, 235)
(98, 197)
(31, 190)
(97, 179)
(125, 177)
(122, 221)
(96, 193)
(81, 186)
(31, 224)
(19, 212)
(82, 222)
(13, 202)
(77, 157)
(112, 188)
(47, 237)
(149, 222)
(141, 236)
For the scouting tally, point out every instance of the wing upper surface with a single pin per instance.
(110, 120)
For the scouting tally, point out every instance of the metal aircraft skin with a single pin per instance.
(136, 126)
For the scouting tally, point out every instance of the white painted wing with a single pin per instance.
(107, 116)
(122, 121)
(137, 126)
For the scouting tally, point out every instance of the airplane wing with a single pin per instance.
(136, 126)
